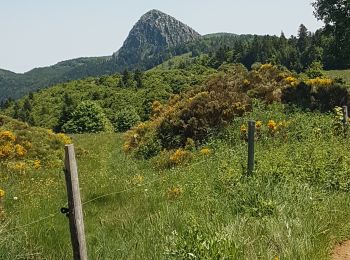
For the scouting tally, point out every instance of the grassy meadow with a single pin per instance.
(345, 74)
(295, 206)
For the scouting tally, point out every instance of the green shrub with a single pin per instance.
(88, 118)
(125, 119)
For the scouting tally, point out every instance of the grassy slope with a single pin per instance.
(287, 209)
(345, 74)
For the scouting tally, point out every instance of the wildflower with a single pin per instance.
(157, 108)
(64, 138)
(6, 150)
(15, 198)
(246, 82)
(2, 193)
(266, 66)
(205, 151)
(7, 136)
(258, 124)
(20, 150)
(319, 82)
(244, 129)
(174, 192)
(37, 164)
(20, 166)
(179, 156)
(272, 125)
(291, 81)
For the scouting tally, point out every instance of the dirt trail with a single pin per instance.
(342, 251)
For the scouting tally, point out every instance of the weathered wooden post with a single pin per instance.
(251, 135)
(345, 116)
(76, 222)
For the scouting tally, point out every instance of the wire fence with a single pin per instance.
(58, 212)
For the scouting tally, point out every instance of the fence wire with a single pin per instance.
(56, 213)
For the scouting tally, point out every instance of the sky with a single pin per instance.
(40, 33)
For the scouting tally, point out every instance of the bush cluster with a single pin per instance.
(23, 147)
(205, 110)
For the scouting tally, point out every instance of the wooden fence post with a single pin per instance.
(76, 222)
(345, 116)
(251, 135)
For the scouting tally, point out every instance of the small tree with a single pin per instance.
(88, 118)
(125, 119)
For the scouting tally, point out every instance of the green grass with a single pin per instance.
(295, 206)
(345, 74)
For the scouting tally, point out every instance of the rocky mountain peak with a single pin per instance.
(154, 32)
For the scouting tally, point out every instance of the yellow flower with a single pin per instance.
(205, 151)
(319, 82)
(174, 192)
(20, 166)
(291, 80)
(7, 136)
(37, 164)
(6, 150)
(179, 156)
(272, 125)
(20, 150)
(64, 138)
(258, 124)
(244, 129)
(266, 66)
(2, 193)
(246, 82)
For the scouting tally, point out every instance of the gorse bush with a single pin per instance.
(205, 110)
(25, 148)
(317, 94)
(88, 118)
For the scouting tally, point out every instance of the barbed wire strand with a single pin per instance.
(52, 215)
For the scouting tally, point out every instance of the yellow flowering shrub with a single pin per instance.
(244, 129)
(319, 82)
(2, 193)
(180, 156)
(258, 124)
(205, 151)
(20, 150)
(291, 81)
(64, 138)
(22, 146)
(6, 150)
(17, 166)
(266, 66)
(157, 108)
(37, 164)
(174, 192)
(272, 125)
(7, 136)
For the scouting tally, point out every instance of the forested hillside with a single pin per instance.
(158, 37)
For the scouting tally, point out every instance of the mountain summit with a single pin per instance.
(145, 47)
(154, 32)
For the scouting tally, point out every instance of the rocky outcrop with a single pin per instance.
(154, 32)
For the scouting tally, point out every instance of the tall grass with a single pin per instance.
(295, 206)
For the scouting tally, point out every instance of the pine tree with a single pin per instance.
(138, 78)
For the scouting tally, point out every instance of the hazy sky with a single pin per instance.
(36, 33)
